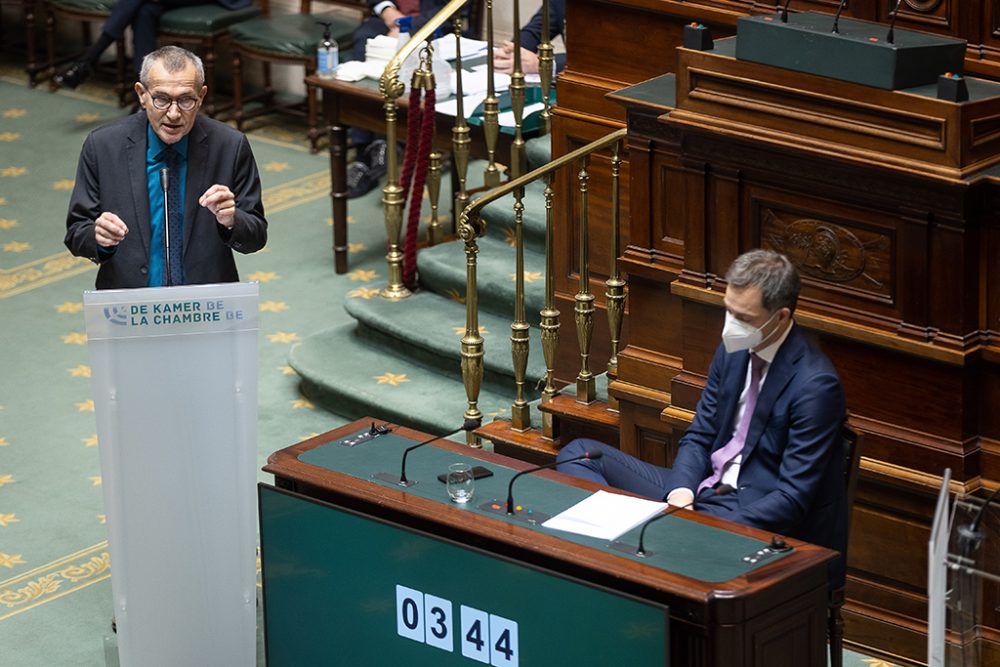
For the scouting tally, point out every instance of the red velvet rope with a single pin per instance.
(412, 128)
(417, 193)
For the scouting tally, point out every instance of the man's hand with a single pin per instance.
(222, 203)
(109, 230)
(503, 59)
(680, 497)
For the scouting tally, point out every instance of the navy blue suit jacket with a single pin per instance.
(111, 176)
(791, 478)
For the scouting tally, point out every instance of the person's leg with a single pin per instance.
(613, 468)
(120, 18)
(144, 27)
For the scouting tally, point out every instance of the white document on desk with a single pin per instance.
(605, 515)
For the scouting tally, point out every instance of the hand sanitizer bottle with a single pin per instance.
(327, 55)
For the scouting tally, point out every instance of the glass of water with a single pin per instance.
(460, 482)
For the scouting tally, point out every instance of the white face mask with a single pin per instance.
(738, 335)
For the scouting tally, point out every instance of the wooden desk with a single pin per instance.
(360, 104)
(770, 615)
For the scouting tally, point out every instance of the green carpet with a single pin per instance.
(55, 594)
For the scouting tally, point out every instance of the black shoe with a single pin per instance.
(360, 180)
(375, 155)
(73, 75)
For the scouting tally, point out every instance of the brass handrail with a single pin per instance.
(470, 230)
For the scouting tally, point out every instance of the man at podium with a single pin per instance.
(764, 446)
(163, 196)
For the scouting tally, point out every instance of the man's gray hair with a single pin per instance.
(173, 59)
(770, 272)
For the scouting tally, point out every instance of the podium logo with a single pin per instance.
(116, 315)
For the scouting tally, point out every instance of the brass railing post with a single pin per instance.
(460, 140)
(518, 154)
(615, 293)
(472, 341)
(491, 108)
(520, 411)
(434, 232)
(392, 199)
(550, 316)
(584, 310)
(546, 68)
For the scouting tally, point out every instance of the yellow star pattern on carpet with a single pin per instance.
(393, 379)
(3, 442)
(529, 276)
(69, 307)
(96, 480)
(460, 331)
(90, 441)
(273, 306)
(86, 406)
(102, 518)
(80, 371)
(283, 337)
(3, 201)
(16, 246)
(7, 519)
(362, 275)
(275, 166)
(75, 338)
(350, 221)
(10, 560)
(7, 479)
(13, 171)
(87, 117)
(263, 276)
(7, 223)
(10, 136)
(364, 292)
(286, 370)
(63, 184)
(455, 296)
(15, 113)
(509, 236)
(302, 404)
(355, 247)
(876, 662)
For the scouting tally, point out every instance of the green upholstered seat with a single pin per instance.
(204, 19)
(293, 35)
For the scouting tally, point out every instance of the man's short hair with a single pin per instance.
(770, 272)
(173, 59)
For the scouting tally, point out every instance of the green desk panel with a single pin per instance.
(680, 546)
(330, 598)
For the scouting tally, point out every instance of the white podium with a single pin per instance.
(174, 376)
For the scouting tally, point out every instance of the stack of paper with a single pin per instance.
(605, 515)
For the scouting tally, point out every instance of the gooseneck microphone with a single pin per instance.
(165, 184)
(970, 537)
(469, 425)
(836, 18)
(890, 36)
(784, 11)
(593, 455)
(721, 490)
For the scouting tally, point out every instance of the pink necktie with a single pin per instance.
(732, 449)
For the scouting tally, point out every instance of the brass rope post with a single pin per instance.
(520, 411)
(546, 69)
(518, 154)
(461, 141)
(472, 342)
(550, 316)
(615, 293)
(491, 108)
(434, 232)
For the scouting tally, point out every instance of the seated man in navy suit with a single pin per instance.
(767, 425)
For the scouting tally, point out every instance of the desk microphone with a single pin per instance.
(784, 11)
(165, 184)
(593, 455)
(970, 537)
(469, 425)
(640, 551)
(836, 18)
(890, 37)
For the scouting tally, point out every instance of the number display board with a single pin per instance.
(344, 589)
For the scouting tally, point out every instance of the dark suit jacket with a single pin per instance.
(791, 477)
(111, 176)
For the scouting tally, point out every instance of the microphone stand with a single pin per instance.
(890, 37)
(469, 425)
(164, 184)
(640, 551)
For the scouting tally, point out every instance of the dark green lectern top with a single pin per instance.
(345, 589)
(859, 53)
(683, 547)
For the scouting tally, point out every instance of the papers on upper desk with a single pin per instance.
(605, 515)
